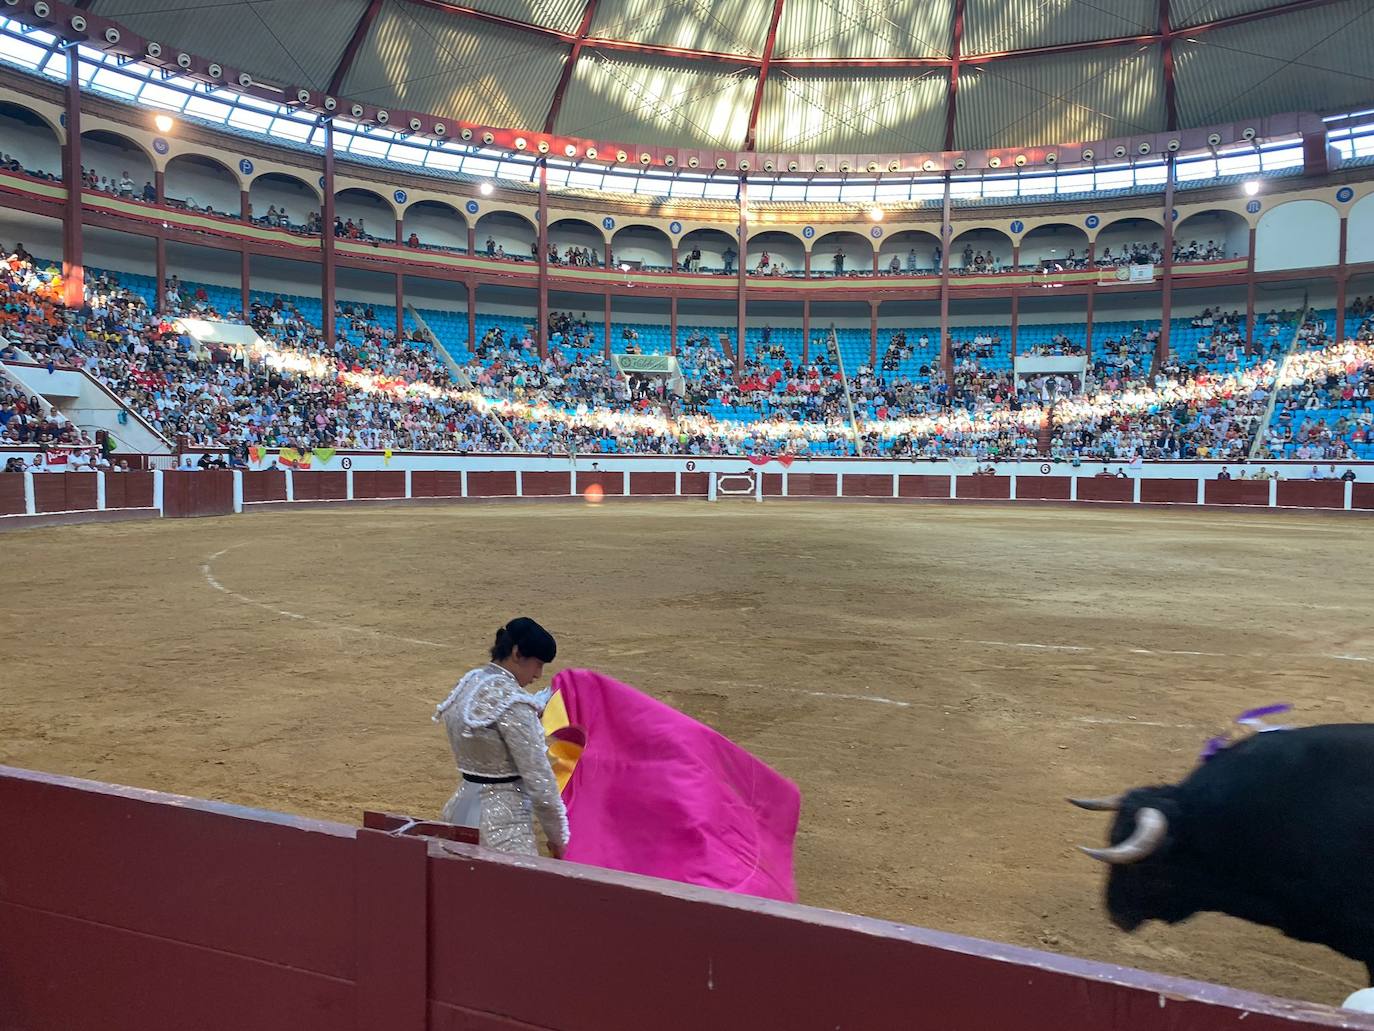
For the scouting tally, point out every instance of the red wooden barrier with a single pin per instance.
(205, 492)
(202, 915)
(437, 484)
(12, 494)
(491, 485)
(1094, 488)
(129, 490)
(1237, 492)
(1042, 488)
(994, 488)
(545, 485)
(811, 485)
(64, 492)
(697, 485)
(866, 485)
(1178, 492)
(1311, 494)
(379, 483)
(658, 484)
(1362, 495)
(320, 486)
(264, 485)
(611, 483)
(923, 485)
(772, 485)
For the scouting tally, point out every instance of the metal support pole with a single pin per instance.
(542, 332)
(327, 238)
(73, 268)
(1162, 345)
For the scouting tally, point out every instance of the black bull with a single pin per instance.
(1278, 830)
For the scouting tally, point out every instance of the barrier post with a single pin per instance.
(1073, 487)
(572, 476)
(463, 482)
(1201, 490)
(99, 491)
(839, 485)
(408, 485)
(1135, 491)
(758, 484)
(1349, 494)
(1011, 495)
(519, 485)
(157, 491)
(238, 492)
(290, 485)
(896, 491)
(953, 485)
(786, 484)
(625, 483)
(710, 485)
(1274, 493)
(348, 484)
(677, 485)
(30, 505)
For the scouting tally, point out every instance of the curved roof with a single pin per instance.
(830, 76)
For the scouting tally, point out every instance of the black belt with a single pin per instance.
(476, 778)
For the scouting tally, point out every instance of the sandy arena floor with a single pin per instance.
(936, 679)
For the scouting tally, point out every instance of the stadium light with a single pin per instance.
(1251, 188)
(164, 123)
(486, 189)
(875, 213)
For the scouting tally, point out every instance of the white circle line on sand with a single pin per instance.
(207, 571)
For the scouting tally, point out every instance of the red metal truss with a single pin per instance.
(763, 74)
(571, 63)
(350, 53)
(952, 97)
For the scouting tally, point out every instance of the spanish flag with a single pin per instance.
(650, 790)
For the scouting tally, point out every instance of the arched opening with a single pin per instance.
(1211, 236)
(707, 250)
(775, 254)
(30, 144)
(116, 165)
(1054, 247)
(1360, 231)
(363, 215)
(576, 243)
(434, 225)
(1130, 241)
(199, 183)
(283, 201)
(1298, 234)
(642, 247)
(841, 254)
(506, 235)
(914, 252)
(980, 252)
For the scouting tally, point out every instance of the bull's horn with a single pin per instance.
(1151, 826)
(1098, 805)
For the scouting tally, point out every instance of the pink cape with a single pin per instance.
(655, 792)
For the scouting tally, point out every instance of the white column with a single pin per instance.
(625, 484)
(1073, 488)
(519, 485)
(1349, 494)
(238, 491)
(157, 491)
(407, 483)
(1012, 494)
(786, 491)
(953, 486)
(677, 484)
(31, 506)
(711, 486)
(896, 491)
(839, 485)
(758, 485)
(1135, 490)
(348, 484)
(99, 491)
(1201, 490)
(290, 485)
(463, 483)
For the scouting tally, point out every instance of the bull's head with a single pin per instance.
(1146, 879)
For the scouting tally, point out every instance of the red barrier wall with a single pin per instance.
(659, 483)
(12, 494)
(922, 486)
(64, 492)
(320, 486)
(545, 485)
(993, 488)
(611, 483)
(1235, 492)
(437, 484)
(1042, 488)
(491, 485)
(201, 915)
(129, 490)
(867, 485)
(1093, 488)
(205, 492)
(1178, 492)
(1311, 494)
(772, 485)
(380, 483)
(812, 485)
(1362, 495)
(264, 485)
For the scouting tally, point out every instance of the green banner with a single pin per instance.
(661, 364)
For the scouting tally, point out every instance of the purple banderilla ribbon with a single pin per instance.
(1249, 718)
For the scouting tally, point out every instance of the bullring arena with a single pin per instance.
(887, 420)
